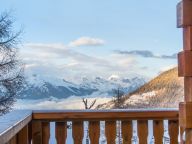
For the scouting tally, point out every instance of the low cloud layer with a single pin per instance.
(86, 41)
(146, 54)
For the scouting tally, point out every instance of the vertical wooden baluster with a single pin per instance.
(142, 126)
(36, 132)
(77, 132)
(110, 131)
(29, 133)
(94, 132)
(22, 136)
(13, 140)
(61, 132)
(158, 130)
(45, 132)
(181, 135)
(127, 131)
(173, 131)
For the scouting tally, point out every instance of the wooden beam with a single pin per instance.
(106, 115)
(184, 20)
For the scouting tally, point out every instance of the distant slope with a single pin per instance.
(166, 80)
(166, 90)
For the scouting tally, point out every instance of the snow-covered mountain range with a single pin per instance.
(38, 87)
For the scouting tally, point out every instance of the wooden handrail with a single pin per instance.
(12, 123)
(147, 114)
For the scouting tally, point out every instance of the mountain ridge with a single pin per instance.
(38, 88)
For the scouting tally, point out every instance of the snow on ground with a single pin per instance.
(134, 99)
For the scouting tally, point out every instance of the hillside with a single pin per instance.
(166, 90)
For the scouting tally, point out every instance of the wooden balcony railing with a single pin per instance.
(26, 127)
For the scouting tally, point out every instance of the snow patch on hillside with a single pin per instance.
(135, 99)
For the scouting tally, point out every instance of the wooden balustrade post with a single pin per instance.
(29, 133)
(158, 131)
(127, 131)
(45, 132)
(77, 132)
(22, 136)
(94, 132)
(61, 132)
(36, 132)
(142, 126)
(173, 131)
(184, 20)
(110, 131)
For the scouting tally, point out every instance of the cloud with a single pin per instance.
(60, 61)
(86, 41)
(146, 54)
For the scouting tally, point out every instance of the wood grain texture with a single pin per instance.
(158, 131)
(13, 140)
(127, 130)
(110, 131)
(181, 135)
(187, 38)
(188, 136)
(61, 132)
(36, 132)
(77, 132)
(142, 126)
(87, 115)
(94, 132)
(184, 63)
(185, 115)
(22, 136)
(184, 9)
(188, 89)
(173, 131)
(29, 133)
(45, 132)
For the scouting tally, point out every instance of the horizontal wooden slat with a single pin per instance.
(106, 115)
(12, 123)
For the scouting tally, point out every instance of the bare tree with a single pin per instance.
(11, 70)
(87, 106)
(118, 97)
(85, 102)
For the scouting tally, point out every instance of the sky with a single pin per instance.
(71, 39)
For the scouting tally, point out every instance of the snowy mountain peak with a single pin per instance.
(114, 78)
